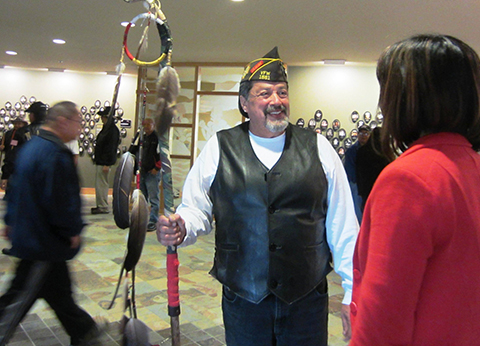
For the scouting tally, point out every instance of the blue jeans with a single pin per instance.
(149, 185)
(274, 322)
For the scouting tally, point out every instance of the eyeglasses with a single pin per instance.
(266, 94)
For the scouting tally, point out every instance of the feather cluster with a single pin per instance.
(168, 88)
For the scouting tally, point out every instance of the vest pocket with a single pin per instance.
(322, 288)
(314, 246)
(228, 294)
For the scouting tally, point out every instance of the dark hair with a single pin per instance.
(39, 111)
(374, 141)
(428, 84)
(244, 91)
(40, 117)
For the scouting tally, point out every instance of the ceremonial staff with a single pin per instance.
(168, 87)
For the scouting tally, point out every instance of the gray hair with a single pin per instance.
(65, 109)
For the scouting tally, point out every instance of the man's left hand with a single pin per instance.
(347, 327)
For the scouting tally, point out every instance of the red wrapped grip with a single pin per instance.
(172, 280)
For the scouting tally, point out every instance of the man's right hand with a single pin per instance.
(171, 230)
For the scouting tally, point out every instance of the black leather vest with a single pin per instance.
(270, 224)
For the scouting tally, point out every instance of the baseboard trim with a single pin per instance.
(91, 191)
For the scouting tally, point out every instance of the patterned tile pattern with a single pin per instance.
(95, 273)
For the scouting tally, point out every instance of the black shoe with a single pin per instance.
(96, 335)
(98, 210)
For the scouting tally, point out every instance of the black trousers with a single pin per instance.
(50, 281)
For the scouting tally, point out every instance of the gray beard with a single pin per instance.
(276, 126)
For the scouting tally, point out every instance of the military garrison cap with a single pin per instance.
(270, 68)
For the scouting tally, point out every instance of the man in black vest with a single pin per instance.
(282, 207)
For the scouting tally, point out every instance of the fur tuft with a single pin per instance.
(164, 120)
(168, 88)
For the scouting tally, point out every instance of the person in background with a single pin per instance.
(11, 142)
(370, 162)
(351, 167)
(166, 174)
(44, 223)
(150, 172)
(282, 207)
(105, 157)
(36, 114)
(417, 258)
(73, 146)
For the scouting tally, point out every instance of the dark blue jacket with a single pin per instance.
(351, 162)
(44, 205)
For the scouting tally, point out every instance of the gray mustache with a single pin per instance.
(281, 108)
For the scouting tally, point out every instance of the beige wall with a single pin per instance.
(335, 90)
(82, 88)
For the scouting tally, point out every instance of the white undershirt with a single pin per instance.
(268, 150)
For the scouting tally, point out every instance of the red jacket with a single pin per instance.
(417, 257)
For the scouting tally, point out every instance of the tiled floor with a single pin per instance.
(95, 273)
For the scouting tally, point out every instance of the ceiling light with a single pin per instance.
(56, 69)
(334, 61)
(237, 0)
(11, 52)
(58, 41)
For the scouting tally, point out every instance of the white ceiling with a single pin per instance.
(223, 31)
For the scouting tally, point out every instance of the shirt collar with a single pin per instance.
(50, 136)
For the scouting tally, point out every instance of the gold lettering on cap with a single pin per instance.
(264, 75)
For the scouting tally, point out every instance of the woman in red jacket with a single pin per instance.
(417, 258)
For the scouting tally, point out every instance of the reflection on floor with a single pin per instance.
(96, 271)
